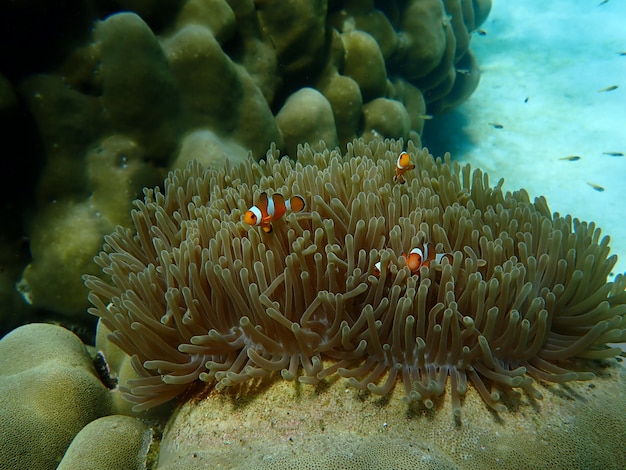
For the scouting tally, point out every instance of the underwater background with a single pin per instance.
(544, 66)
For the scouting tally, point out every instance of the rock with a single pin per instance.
(281, 425)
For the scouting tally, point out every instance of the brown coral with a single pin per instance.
(194, 293)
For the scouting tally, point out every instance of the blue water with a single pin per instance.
(543, 64)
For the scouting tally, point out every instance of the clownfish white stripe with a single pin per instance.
(271, 208)
(377, 266)
(257, 212)
(418, 251)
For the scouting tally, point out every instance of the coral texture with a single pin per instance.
(49, 390)
(286, 426)
(118, 442)
(194, 293)
(139, 91)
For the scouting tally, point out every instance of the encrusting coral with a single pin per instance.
(194, 293)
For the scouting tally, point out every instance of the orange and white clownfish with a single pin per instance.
(419, 257)
(272, 208)
(402, 165)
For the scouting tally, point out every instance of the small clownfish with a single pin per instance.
(419, 257)
(269, 209)
(402, 165)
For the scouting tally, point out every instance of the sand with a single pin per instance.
(543, 64)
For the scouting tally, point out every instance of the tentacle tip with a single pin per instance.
(586, 376)
(353, 382)
(287, 375)
(499, 407)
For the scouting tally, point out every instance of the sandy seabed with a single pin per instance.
(545, 95)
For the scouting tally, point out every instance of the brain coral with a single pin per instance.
(191, 292)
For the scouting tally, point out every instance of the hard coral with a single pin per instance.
(116, 441)
(194, 293)
(49, 391)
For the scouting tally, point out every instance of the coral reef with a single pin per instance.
(192, 292)
(119, 442)
(138, 88)
(102, 99)
(49, 391)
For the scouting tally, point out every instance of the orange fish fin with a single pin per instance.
(267, 228)
(399, 178)
(296, 203)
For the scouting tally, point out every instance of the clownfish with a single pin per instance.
(419, 257)
(402, 165)
(269, 209)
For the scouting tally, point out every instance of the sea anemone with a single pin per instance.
(192, 292)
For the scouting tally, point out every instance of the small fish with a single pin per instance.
(609, 88)
(597, 187)
(496, 125)
(464, 71)
(402, 166)
(526, 100)
(419, 257)
(603, 2)
(571, 158)
(425, 117)
(268, 210)
(622, 53)
(613, 154)
(481, 32)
